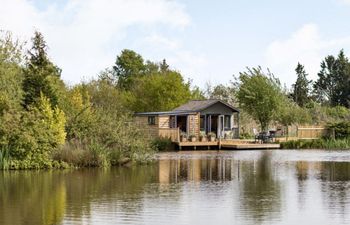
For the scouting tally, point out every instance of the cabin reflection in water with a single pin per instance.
(214, 169)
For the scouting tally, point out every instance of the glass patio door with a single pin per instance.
(221, 127)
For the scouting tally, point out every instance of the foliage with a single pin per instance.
(212, 134)
(301, 88)
(317, 144)
(79, 113)
(222, 92)
(40, 74)
(162, 144)
(245, 135)
(128, 65)
(289, 113)
(41, 132)
(160, 92)
(332, 86)
(259, 95)
(4, 158)
(326, 114)
(340, 129)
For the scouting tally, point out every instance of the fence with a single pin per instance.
(172, 133)
(311, 132)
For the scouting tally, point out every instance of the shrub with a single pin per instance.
(162, 144)
(246, 135)
(317, 144)
(341, 129)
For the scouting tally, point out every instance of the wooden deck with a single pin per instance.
(228, 144)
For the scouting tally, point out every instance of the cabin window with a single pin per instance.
(227, 122)
(151, 120)
(202, 122)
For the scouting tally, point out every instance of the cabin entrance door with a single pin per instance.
(182, 123)
(212, 124)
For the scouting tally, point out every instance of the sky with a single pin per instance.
(207, 41)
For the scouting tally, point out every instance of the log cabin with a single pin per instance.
(195, 118)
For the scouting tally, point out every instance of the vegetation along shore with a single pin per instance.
(46, 123)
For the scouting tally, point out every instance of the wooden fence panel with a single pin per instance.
(172, 133)
(311, 132)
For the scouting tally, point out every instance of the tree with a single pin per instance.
(128, 65)
(301, 87)
(79, 113)
(41, 132)
(259, 94)
(222, 92)
(163, 66)
(40, 74)
(11, 92)
(160, 92)
(332, 86)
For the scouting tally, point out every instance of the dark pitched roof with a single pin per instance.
(199, 105)
(189, 108)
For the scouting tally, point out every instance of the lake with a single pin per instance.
(201, 187)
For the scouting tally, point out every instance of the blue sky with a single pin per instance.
(207, 41)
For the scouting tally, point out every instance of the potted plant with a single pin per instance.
(193, 138)
(212, 136)
(203, 137)
(183, 137)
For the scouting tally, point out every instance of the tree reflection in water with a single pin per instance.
(243, 187)
(260, 191)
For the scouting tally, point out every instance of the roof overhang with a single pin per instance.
(168, 113)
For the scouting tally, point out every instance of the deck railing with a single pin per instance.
(172, 133)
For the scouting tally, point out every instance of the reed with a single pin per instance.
(323, 143)
(4, 158)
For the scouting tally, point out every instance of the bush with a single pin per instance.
(341, 129)
(246, 135)
(317, 144)
(162, 144)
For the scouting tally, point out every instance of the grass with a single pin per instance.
(322, 143)
(4, 158)
(80, 154)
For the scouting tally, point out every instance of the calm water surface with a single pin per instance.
(241, 187)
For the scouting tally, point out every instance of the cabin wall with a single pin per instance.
(151, 130)
(193, 124)
(164, 121)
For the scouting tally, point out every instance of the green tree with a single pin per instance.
(128, 65)
(222, 92)
(79, 113)
(11, 92)
(42, 131)
(332, 86)
(41, 75)
(259, 94)
(301, 87)
(160, 92)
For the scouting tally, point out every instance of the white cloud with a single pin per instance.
(346, 2)
(190, 64)
(306, 46)
(84, 36)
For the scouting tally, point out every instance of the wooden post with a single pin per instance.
(238, 124)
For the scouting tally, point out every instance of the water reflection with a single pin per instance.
(248, 187)
(206, 169)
